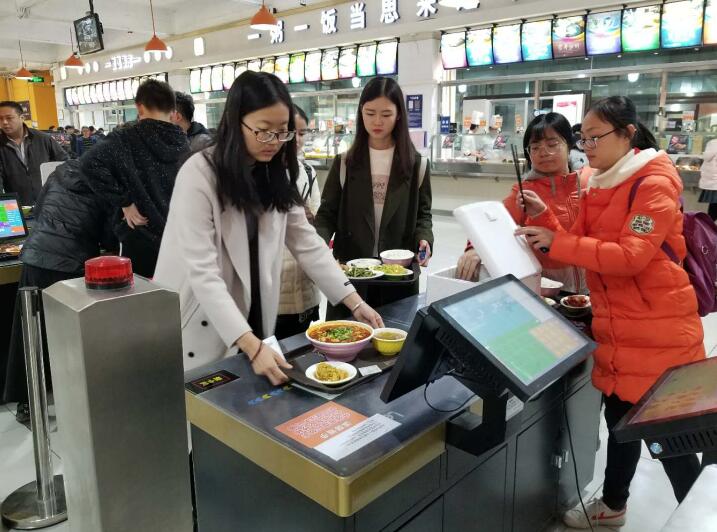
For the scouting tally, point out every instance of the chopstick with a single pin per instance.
(514, 151)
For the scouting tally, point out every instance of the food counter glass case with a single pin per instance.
(321, 147)
(474, 155)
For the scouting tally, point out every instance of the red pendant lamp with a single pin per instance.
(73, 62)
(23, 73)
(155, 44)
(263, 20)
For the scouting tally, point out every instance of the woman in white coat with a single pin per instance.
(708, 178)
(233, 209)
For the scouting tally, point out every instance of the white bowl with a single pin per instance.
(549, 288)
(363, 263)
(350, 368)
(404, 257)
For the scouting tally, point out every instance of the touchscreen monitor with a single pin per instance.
(12, 222)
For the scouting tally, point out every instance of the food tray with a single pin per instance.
(383, 281)
(367, 357)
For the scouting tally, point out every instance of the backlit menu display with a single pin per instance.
(296, 68)
(330, 64)
(387, 58)
(254, 65)
(68, 97)
(569, 37)
(603, 34)
(312, 66)
(682, 24)
(267, 65)
(506, 44)
(453, 50)
(347, 62)
(536, 41)
(206, 79)
(228, 76)
(117, 91)
(281, 68)
(195, 81)
(366, 60)
(217, 78)
(641, 29)
(479, 47)
(710, 29)
(239, 69)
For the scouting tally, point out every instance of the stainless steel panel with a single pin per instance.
(116, 359)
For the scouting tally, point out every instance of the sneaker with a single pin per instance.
(23, 413)
(600, 514)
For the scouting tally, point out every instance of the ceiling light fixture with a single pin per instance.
(460, 4)
(263, 20)
(23, 73)
(73, 62)
(155, 44)
(632, 77)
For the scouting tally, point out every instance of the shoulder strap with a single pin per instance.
(342, 170)
(422, 170)
(665, 247)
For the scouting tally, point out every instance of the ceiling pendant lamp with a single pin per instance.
(155, 44)
(73, 62)
(263, 20)
(23, 73)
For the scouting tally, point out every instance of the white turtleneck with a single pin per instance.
(623, 169)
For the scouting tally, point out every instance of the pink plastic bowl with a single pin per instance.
(341, 352)
(403, 257)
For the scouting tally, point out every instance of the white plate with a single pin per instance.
(406, 272)
(311, 370)
(364, 263)
(375, 275)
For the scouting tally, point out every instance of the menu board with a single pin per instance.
(366, 60)
(267, 65)
(239, 69)
(161, 77)
(312, 66)
(117, 91)
(217, 78)
(93, 94)
(296, 68)
(506, 44)
(710, 27)
(135, 87)
(330, 64)
(347, 62)
(206, 79)
(641, 29)
(536, 41)
(254, 65)
(99, 94)
(603, 33)
(387, 58)
(453, 50)
(228, 76)
(195, 81)
(68, 97)
(86, 93)
(128, 92)
(682, 24)
(80, 96)
(106, 91)
(479, 47)
(569, 37)
(281, 68)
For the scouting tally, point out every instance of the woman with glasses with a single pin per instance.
(547, 143)
(378, 195)
(235, 206)
(644, 307)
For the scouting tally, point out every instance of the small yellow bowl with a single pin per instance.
(385, 346)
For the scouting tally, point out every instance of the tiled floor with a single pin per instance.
(651, 503)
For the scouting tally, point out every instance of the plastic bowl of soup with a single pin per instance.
(404, 257)
(388, 341)
(340, 340)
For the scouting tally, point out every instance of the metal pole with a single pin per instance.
(41, 503)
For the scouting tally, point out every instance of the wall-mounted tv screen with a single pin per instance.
(88, 34)
(366, 60)
(682, 24)
(537, 44)
(453, 50)
(506, 44)
(641, 29)
(569, 37)
(603, 33)
(387, 58)
(479, 47)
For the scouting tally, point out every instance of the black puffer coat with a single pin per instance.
(137, 164)
(71, 224)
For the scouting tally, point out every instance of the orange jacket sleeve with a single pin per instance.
(510, 204)
(644, 230)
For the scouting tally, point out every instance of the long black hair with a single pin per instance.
(620, 112)
(538, 126)
(405, 150)
(265, 185)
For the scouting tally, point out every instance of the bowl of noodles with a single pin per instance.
(331, 373)
(340, 340)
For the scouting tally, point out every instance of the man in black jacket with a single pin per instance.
(133, 170)
(22, 151)
(183, 116)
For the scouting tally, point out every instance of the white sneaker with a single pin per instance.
(599, 514)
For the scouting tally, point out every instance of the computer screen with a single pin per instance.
(12, 223)
(515, 331)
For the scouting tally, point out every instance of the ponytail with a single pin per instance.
(620, 112)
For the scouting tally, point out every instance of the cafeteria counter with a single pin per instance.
(260, 463)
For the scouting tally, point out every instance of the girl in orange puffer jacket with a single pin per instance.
(644, 307)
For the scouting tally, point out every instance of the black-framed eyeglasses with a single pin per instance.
(264, 136)
(591, 143)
